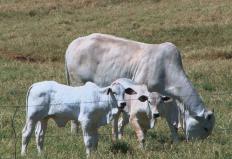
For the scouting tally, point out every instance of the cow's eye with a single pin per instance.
(206, 129)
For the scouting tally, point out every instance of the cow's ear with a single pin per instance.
(130, 91)
(109, 90)
(199, 118)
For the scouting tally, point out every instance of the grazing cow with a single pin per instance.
(102, 58)
(89, 104)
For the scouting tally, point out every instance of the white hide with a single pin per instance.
(90, 105)
(104, 58)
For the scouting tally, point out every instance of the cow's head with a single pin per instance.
(196, 127)
(199, 127)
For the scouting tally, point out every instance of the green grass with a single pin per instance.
(35, 34)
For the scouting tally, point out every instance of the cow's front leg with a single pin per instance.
(174, 132)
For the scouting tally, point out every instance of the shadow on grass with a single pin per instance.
(161, 141)
(120, 147)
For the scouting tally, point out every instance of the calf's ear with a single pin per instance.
(106, 90)
(130, 91)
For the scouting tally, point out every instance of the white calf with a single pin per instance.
(89, 104)
(169, 109)
(142, 115)
(140, 97)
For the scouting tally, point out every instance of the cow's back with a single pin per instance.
(104, 58)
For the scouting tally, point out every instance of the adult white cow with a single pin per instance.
(104, 58)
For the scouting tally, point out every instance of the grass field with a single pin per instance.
(35, 34)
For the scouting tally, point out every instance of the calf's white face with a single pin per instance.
(120, 87)
(154, 101)
(118, 92)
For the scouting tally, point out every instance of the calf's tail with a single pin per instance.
(67, 73)
(28, 92)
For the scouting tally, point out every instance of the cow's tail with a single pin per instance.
(28, 92)
(67, 73)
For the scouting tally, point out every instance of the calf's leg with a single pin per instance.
(40, 133)
(75, 82)
(90, 139)
(121, 124)
(139, 132)
(115, 126)
(26, 134)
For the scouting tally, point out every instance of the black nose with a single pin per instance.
(122, 105)
(156, 115)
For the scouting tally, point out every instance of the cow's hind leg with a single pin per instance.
(26, 134)
(39, 134)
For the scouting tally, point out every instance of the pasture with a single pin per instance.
(35, 34)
